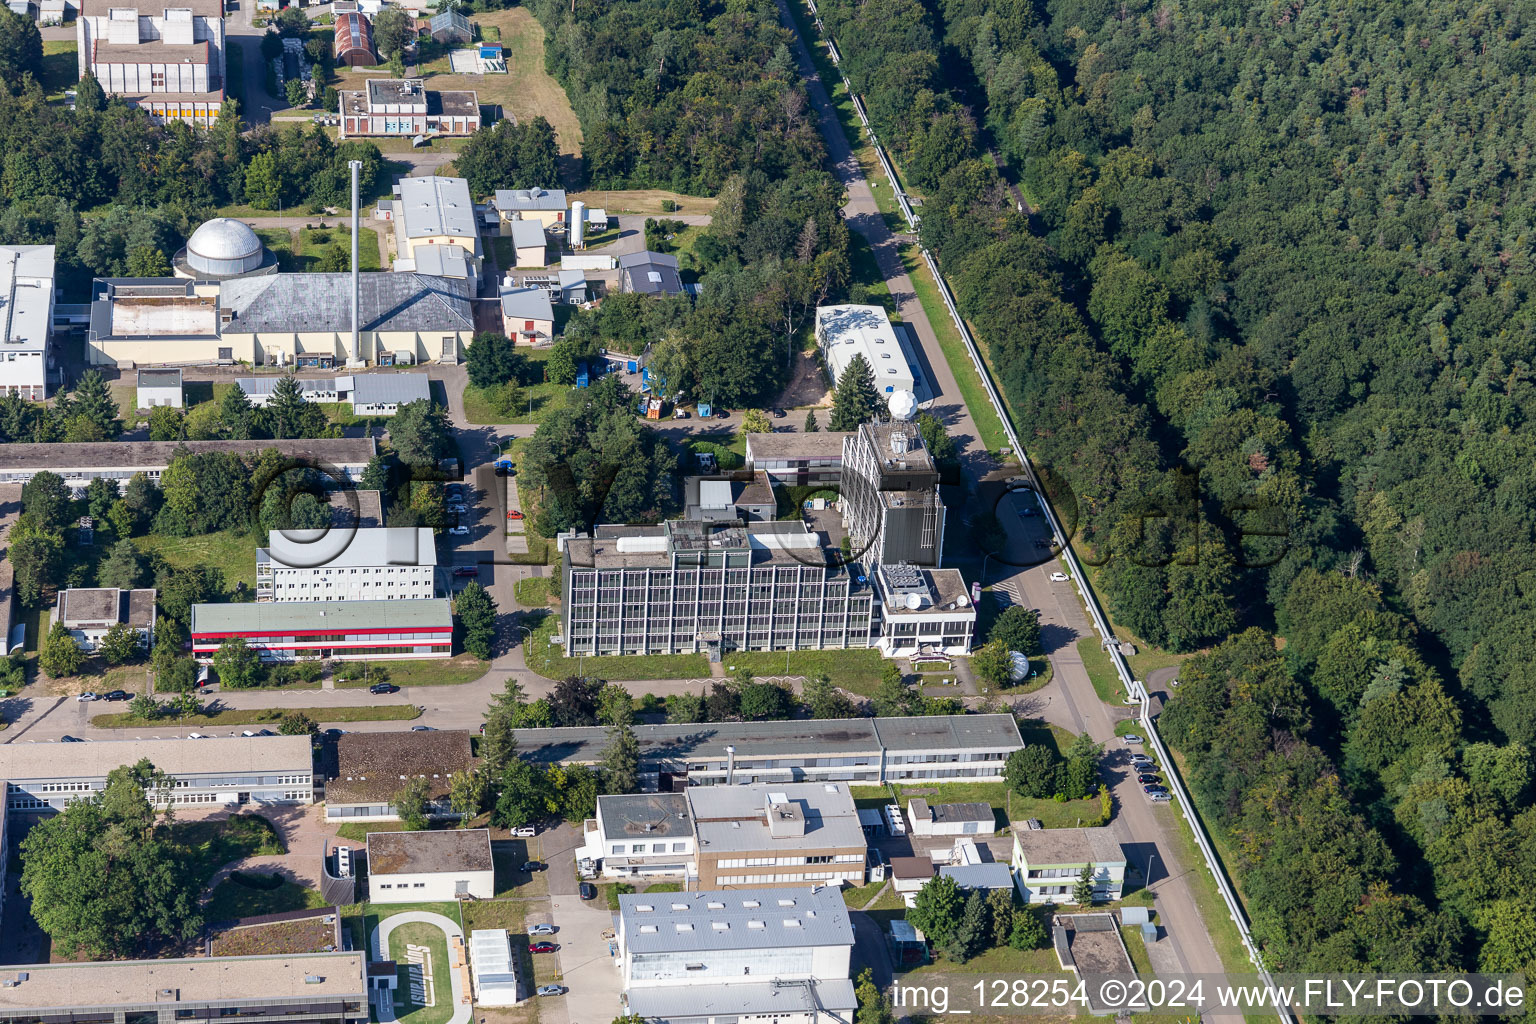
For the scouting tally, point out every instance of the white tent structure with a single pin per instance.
(493, 967)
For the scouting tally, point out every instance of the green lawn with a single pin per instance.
(265, 716)
(955, 354)
(233, 554)
(857, 670)
(358, 832)
(534, 591)
(441, 1007)
(231, 900)
(866, 271)
(216, 843)
(1137, 948)
(548, 661)
(1101, 671)
(462, 668)
(61, 68)
(540, 550)
(1004, 961)
(301, 255)
(539, 400)
(890, 899)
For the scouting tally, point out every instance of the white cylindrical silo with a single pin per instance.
(578, 224)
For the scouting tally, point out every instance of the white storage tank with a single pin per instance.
(578, 224)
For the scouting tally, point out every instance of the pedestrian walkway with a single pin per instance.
(462, 1013)
(517, 535)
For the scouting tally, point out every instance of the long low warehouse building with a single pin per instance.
(311, 987)
(340, 458)
(340, 630)
(43, 778)
(953, 748)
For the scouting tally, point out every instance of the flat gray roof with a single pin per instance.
(416, 853)
(1068, 847)
(836, 737)
(63, 457)
(160, 378)
(671, 1002)
(195, 980)
(752, 919)
(218, 755)
(946, 813)
(107, 604)
(645, 814)
(820, 444)
(731, 818)
(342, 549)
(275, 616)
(949, 732)
(435, 206)
(391, 388)
(527, 233)
(706, 742)
(257, 386)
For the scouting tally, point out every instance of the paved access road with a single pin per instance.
(1143, 829)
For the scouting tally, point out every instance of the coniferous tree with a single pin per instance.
(855, 399)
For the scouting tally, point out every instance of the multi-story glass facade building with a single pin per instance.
(689, 586)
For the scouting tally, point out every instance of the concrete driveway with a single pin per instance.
(585, 966)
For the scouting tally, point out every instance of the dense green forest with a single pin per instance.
(1277, 278)
(680, 94)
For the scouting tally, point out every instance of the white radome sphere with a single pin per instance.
(903, 405)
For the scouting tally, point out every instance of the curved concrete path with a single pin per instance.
(462, 1012)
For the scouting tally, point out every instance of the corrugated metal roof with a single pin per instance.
(949, 732)
(979, 876)
(390, 388)
(752, 919)
(527, 304)
(304, 303)
(255, 387)
(441, 261)
(436, 206)
(306, 615)
(508, 199)
(694, 1000)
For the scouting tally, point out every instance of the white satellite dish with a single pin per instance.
(902, 404)
(914, 601)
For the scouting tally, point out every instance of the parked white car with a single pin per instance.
(459, 531)
(1059, 577)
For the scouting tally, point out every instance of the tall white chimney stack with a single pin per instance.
(357, 357)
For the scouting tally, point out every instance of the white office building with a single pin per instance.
(418, 867)
(380, 564)
(1048, 862)
(641, 835)
(232, 771)
(847, 331)
(724, 957)
(26, 319)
